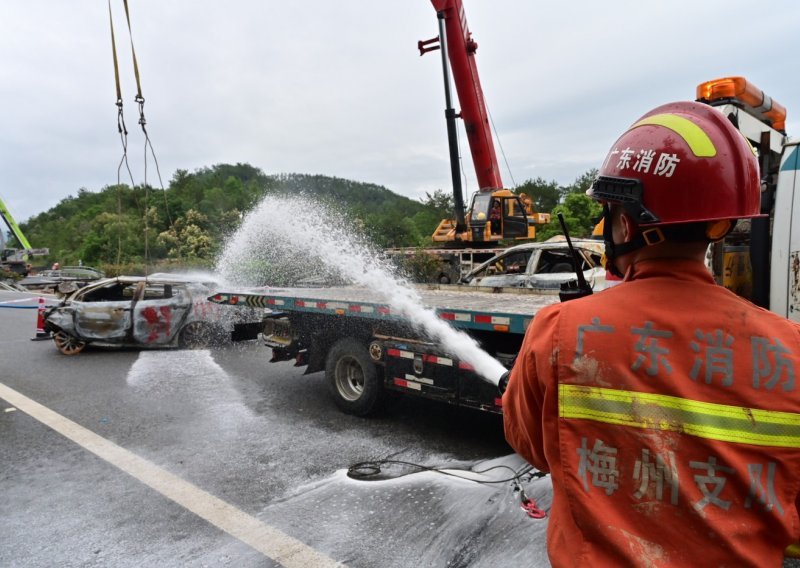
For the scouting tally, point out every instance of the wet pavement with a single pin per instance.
(241, 444)
(218, 458)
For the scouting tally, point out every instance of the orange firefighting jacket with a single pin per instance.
(666, 410)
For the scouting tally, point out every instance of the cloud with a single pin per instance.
(338, 88)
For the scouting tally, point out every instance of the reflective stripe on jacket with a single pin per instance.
(667, 411)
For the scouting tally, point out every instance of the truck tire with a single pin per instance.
(68, 344)
(353, 378)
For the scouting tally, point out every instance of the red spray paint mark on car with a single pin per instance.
(158, 321)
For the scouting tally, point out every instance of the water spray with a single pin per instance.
(286, 236)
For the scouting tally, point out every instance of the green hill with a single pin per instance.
(186, 223)
(120, 228)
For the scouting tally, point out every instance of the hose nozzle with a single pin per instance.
(503, 382)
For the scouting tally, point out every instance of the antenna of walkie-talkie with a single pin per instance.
(572, 289)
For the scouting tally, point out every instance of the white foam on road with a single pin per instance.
(424, 518)
(197, 379)
(162, 369)
(264, 538)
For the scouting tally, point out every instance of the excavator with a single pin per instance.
(16, 260)
(495, 214)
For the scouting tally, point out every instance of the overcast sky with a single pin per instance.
(337, 87)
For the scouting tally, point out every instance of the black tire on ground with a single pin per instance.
(68, 344)
(444, 279)
(353, 378)
(200, 335)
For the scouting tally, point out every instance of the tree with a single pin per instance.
(440, 201)
(389, 230)
(420, 266)
(111, 236)
(581, 213)
(187, 239)
(581, 183)
(190, 219)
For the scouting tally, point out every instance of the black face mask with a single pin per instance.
(611, 253)
(643, 238)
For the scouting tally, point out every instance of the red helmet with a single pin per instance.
(680, 163)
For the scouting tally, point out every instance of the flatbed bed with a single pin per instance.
(465, 307)
(371, 350)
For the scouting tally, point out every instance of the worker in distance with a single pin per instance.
(666, 408)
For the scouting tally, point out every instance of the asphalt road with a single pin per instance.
(218, 458)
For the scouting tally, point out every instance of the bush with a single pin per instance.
(420, 266)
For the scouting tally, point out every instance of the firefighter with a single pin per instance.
(666, 408)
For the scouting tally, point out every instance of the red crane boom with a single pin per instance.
(495, 214)
(461, 50)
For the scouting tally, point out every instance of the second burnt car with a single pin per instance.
(62, 281)
(543, 266)
(163, 310)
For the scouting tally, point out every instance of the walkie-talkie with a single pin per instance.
(572, 289)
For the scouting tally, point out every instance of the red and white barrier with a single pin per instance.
(40, 332)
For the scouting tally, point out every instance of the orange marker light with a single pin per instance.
(742, 90)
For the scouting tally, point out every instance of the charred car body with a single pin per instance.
(156, 311)
(543, 266)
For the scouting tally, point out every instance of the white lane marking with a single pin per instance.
(267, 540)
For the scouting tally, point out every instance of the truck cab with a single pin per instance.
(495, 216)
(760, 259)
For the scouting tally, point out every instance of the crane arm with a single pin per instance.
(12, 226)
(461, 50)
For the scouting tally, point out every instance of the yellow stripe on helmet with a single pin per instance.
(662, 412)
(792, 551)
(694, 136)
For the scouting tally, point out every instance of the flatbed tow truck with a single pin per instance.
(369, 351)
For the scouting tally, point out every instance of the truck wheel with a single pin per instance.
(200, 335)
(68, 344)
(353, 378)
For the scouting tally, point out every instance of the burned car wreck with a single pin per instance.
(544, 266)
(146, 312)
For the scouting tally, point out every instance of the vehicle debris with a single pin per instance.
(157, 311)
(542, 266)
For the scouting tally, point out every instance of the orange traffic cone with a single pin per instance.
(40, 332)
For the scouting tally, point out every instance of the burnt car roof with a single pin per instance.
(559, 242)
(164, 277)
(555, 243)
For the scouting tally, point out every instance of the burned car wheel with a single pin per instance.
(200, 335)
(353, 378)
(68, 344)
